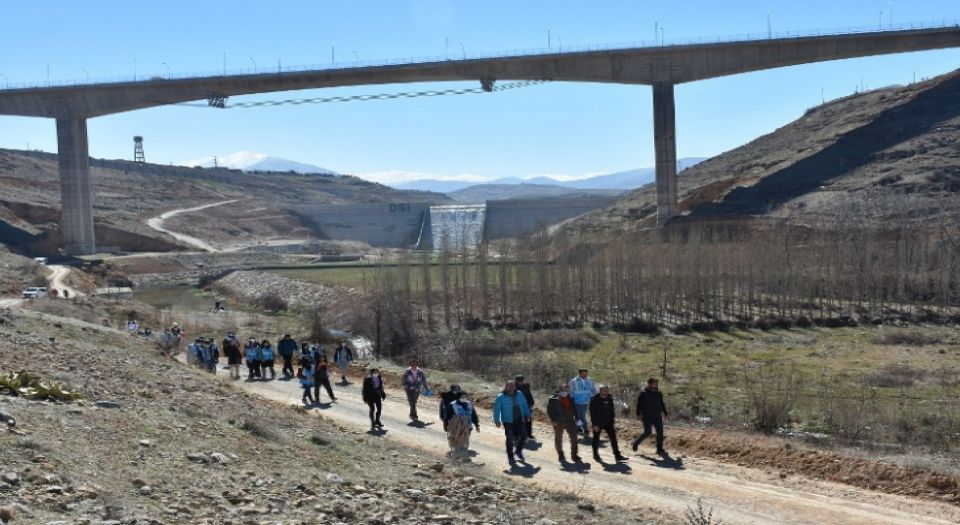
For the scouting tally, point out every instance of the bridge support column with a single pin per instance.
(73, 153)
(665, 141)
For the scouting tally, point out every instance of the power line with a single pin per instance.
(221, 101)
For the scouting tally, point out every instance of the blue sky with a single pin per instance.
(554, 129)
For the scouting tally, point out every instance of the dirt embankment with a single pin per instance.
(176, 268)
(260, 287)
(18, 272)
(154, 442)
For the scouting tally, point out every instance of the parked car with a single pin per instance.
(40, 260)
(35, 292)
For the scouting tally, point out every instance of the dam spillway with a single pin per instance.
(428, 226)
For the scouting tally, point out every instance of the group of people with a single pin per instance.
(567, 410)
(577, 408)
(260, 356)
(314, 368)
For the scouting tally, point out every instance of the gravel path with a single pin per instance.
(738, 495)
(157, 224)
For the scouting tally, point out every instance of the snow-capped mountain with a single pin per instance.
(251, 161)
(625, 180)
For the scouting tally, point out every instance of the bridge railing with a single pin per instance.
(541, 51)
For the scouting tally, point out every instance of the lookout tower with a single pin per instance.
(138, 149)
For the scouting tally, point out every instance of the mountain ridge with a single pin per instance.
(622, 180)
(250, 161)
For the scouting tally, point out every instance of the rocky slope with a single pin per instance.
(126, 194)
(261, 288)
(880, 155)
(18, 272)
(153, 442)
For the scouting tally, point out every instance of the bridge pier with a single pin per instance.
(73, 153)
(665, 142)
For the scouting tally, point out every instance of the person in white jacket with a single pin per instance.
(582, 390)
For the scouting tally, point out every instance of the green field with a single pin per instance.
(889, 386)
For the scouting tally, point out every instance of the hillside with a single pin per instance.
(490, 192)
(153, 441)
(880, 155)
(126, 194)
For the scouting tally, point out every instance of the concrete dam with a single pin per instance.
(429, 227)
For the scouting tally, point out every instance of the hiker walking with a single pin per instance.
(287, 347)
(414, 383)
(231, 348)
(373, 395)
(322, 378)
(563, 417)
(178, 335)
(342, 356)
(651, 410)
(582, 389)
(602, 411)
(307, 382)
(266, 360)
(462, 420)
(524, 388)
(510, 411)
(200, 349)
(212, 356)
(251, 353)
(445, 399)
(304, 355)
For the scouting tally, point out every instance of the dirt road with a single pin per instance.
(57, 277)
(157, 224)
(738, 495)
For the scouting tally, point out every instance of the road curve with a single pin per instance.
(738, 495)
(56, 280)
(157, 224)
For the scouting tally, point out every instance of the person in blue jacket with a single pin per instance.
(511, 412)
(306, 382)
(266, 360)
(251, 353)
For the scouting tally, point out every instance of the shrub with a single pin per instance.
(771, 394)
(700, 515)
(907, 338)
(850, 418)
(274, 302)
(31, 386)
(259, 430)
(894, 376)
(638, 326)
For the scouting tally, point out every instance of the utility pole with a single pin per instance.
(549, 43)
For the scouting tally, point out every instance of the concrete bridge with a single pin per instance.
(662, 67)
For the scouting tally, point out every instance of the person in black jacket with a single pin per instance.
(373, 396)
(287, 347)
(524, 388)
(321, 378)
(602, 412)
(650, 410)
(445, 399)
